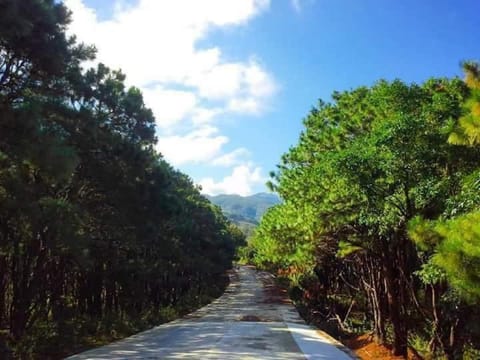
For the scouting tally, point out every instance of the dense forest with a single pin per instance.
(379, 229)
(99, 236)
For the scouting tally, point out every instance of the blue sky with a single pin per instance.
(231, 80)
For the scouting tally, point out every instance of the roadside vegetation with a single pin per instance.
(379, 228)
(99, 236)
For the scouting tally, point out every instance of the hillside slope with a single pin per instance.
(245, 211)
(245, 208)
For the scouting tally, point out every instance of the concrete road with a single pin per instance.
(252, 320)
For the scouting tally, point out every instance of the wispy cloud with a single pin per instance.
(296, 4)
(234, 157)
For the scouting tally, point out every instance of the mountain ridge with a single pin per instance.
(245, 211)
(250, 207)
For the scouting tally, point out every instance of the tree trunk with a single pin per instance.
(18, 320)
(393, 287)
(374, 292)
(3, 291)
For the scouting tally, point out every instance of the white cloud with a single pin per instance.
(201, 145)
(245, 105)
(219, 82)
(169, 106)
(242, 181)
(204, 115)
(156, 42)
(232, 158)
(260, 84)
(234, 80)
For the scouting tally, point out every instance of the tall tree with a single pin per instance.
(365, 165)
(98, 233)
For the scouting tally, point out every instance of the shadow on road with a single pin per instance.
(251, 320)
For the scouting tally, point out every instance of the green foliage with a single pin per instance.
(467, 131)
(368, 168)
(454, 239)
(347, 248)
(284, 245)
(457, 251)
(431, 274)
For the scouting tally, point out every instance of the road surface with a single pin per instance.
(251, 320)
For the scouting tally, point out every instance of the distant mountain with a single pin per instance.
(245, 211)
(249, 208)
